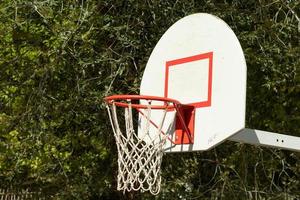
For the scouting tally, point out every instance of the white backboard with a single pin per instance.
(199, 61)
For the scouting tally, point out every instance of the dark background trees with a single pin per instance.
(59, 59)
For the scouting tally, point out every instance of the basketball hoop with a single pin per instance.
(208, 82)
(140, 154)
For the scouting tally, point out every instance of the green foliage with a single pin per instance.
(58, 59)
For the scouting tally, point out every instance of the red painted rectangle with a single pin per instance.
(173, 63)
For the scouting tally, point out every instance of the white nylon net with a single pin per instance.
(139, 162)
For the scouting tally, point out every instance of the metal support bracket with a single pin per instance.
(185, 122)
(269, 139)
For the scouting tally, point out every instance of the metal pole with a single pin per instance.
(269, 139)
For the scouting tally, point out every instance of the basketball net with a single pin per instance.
(139, 156)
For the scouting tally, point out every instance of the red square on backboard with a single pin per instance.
(178, 62)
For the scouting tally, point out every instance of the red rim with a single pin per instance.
(117, 98)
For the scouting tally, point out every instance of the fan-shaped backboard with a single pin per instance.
(199, 61)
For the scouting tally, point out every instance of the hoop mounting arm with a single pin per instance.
(185, 121)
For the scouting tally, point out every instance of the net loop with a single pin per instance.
(139, 162)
